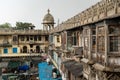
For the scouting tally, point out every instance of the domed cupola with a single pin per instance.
(48, 21)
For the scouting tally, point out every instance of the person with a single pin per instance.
(48, 60)
(54, 75)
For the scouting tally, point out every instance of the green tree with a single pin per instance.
(5, 25)
(21, 25)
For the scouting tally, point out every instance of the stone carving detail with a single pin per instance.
(101, 10)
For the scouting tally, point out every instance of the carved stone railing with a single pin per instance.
(9, 32)
(102, 10)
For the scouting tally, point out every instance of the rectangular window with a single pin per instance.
(5, 51)
(69, 41)
(46, 38)
(101, 39)
(22, 38)
(35, 38)
(14, 50)
(114, 38)
(74, 40)
(112, 30)
(74, 36)
(58, 39)
(101, 44)
(93, 30)
(93, 43)
(31, 45)
(39, 38)
(14, 38)
(51, 38)
(27, 38)
(114, 43)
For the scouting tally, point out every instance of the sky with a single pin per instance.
(33, 11)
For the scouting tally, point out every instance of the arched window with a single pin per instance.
(14, 38)
(24, 49)
(37, 49)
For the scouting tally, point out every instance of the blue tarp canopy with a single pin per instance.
(24, 67)
(45, 71)
(57, 79)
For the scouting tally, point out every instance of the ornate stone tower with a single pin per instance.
(48, 21)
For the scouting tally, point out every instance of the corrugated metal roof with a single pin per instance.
(74, 67)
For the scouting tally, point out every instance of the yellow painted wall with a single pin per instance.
(57, 44)
(19, 46)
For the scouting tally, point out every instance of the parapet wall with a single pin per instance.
(102, 10)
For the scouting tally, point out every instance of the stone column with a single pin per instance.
(106, 43)
(90, 44)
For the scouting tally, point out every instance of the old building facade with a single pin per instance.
(92, 39)
(15, 43)
(25, 44)
(19, 47)
(84, 47)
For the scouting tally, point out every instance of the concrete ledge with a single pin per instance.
(19, 55)
(87, 61)
(101, 67)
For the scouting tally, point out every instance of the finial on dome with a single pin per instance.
(48, 11)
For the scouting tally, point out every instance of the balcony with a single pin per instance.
(100, 67)
(22, 32)
(5, 44)
(78, 51)
(31, 42)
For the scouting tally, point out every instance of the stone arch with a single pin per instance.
(24, 49)
(37, 49)
(46, 49)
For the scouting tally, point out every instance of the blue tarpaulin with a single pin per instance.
(45, 71)
(57, 79)
(24, 68)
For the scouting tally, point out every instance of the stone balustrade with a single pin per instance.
(102, 10)
(10, 31)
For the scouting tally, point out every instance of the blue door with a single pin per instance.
(5, 51)
(14, 50)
